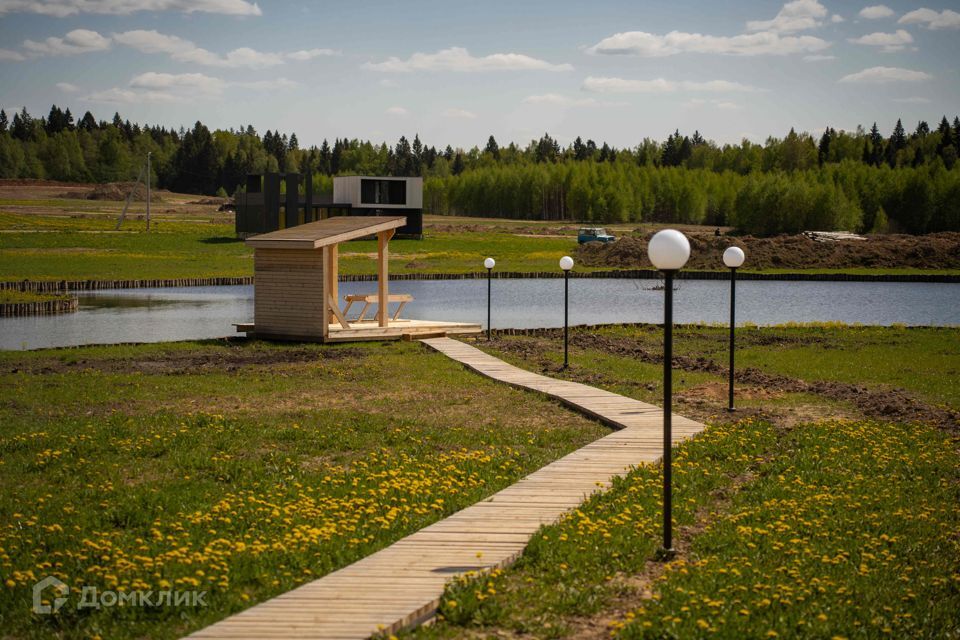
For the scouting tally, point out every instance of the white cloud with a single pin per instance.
(186, 51)
(661, 85)
(309, 54)
(76, 41)
(555, 99)
(725, 105)
(876, 12)
(818, 57)
(883, 75)
(889, 41)
(66, 87)
(154, 87)
(946, 19)
(6, 55)
(397, 111)
(62, 8)
(912, 100)
(266, 85)
(117, 95)
(459, 113)
(192, 82)
(459, 59)
(798, 15)
(649, 45)
(837, 18)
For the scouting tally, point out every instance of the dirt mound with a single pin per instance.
(115, 191)
(933, 251)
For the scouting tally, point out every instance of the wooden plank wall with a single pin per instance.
(289, 292)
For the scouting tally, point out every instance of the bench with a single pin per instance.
(373, 299)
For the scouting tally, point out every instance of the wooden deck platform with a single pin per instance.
(371, 330)
(401, 585)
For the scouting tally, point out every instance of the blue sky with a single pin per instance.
(457, 71)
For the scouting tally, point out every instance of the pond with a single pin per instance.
(158, 315)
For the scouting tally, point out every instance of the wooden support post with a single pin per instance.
(383, 257)
(291, 207)
(330, 273)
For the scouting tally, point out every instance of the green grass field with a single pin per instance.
(239, 469)
(790, 522)
(83, 245)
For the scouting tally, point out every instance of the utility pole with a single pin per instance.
(148, 191)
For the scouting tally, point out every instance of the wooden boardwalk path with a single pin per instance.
(401, 585)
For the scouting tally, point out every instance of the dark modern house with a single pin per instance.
(263, 208)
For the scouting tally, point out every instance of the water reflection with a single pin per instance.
(157, 315)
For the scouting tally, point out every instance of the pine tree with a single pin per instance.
(579, 149)
(323, 162)
(956, 133)
(457, 167)
(3, 121)
(823, 149)
(22, 126)
(294, 144)
(417, 149)
(88, 122)
(876, 145)
(898, 140)
(946, 136)
(492, 148)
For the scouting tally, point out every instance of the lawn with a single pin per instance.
(790, 522)
(241, 469)
(79, 243)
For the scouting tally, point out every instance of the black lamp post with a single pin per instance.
(733, 257)
(489, 263)
(566, 263)
(668, 250)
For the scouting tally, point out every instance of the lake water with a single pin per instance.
(158, 315)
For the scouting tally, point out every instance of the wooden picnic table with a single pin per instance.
(369, 300)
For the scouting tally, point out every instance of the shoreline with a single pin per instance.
(51, 286)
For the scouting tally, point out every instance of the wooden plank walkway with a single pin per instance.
(401, 585)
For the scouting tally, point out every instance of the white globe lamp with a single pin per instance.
(733, 257)
(669, 250)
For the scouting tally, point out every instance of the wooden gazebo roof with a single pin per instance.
(322, 233)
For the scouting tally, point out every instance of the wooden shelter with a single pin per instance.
(296, 293)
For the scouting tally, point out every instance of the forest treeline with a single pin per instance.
(859, 180)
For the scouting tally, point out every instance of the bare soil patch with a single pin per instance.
(191, 362)
(886, 403)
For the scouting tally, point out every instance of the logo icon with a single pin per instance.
(59, 587)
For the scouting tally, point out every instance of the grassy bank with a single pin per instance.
(239, 469)
(8, 296)
(790, 521)
(78, 244)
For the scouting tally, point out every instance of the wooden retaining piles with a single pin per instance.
(59, 286)
(55, 286)
(41, 308)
